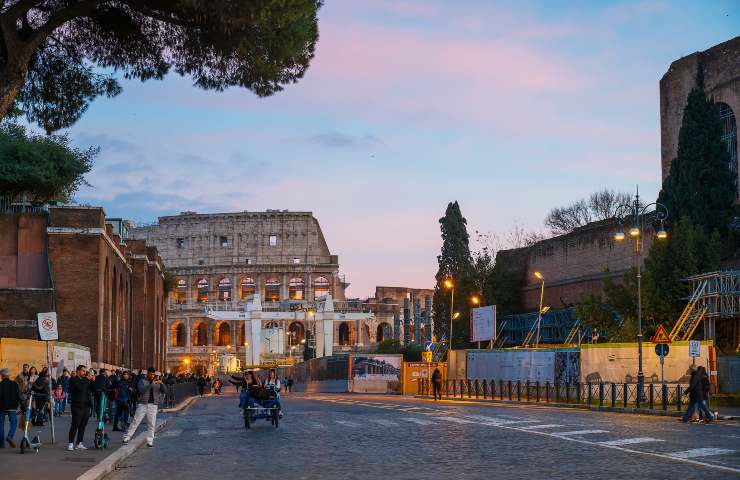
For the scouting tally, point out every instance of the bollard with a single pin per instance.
(678, 398)
(527, 387)
(501, 389)
(638, 396)
(518, 390)
(510, 389)
(589, 397)
(664, 396)
(537, 390)
(601, 394)
(567, 392)
(454, 388)
(614, 395)
(626, 395)
(470, 385)
(462, 388)
(651, 397)
(557, 392)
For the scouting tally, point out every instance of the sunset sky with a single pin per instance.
(510, 108)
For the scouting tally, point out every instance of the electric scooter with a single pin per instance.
(35, 442)
(101, 437)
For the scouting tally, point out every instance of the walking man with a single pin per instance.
(697, 398)
(151, 392)
(437, 383)
(10, 400)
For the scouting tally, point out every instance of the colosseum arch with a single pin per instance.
(320, 287)
(200, 334)
(201, 291)
(222, 334)
(345, 334)
(224, 289)
(297, 331)
(384, 332)
(177, 334)
(180, 291)
(296, 288)
(247, 288)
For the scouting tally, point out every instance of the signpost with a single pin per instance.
(661, 341)
(48, 332)
(694, 350)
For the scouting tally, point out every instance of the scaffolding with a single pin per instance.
(716, 295)
(557, 326)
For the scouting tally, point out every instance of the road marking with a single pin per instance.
(418, 421)
(631, 441)
(385, 423)
(347, 423)
(205, 431)
(578, 432)
(700, 452)
(541, 427)
(495, 421)
(171, 433)
(456, 420)
(319, 426)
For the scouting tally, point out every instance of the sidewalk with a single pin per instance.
(54, 460)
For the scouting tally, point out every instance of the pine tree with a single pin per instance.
(700, 184)
(455, 264)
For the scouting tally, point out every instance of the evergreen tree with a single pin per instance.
(700, 184)
(456, 265)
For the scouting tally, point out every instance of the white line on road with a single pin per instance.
(319, 426)
(418, 421)
(171, 433)
(495, 421)
(578, 432)
(700, 452)
(206, 431)
(385, 423)
(541, 427)
(456, 420)
(631, 441)
(347, 423)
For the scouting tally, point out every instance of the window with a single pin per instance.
(273, 240)
(224, 289)
(320, 287)
(249, 261)
(272, 290)
(247, 288)
(223, 241)
(344, 334)
(178, 335)
(202, 290)
(180, 242)
(200, 335)
(223, 335)
(295, 288)
(181, 288)
(296, 260)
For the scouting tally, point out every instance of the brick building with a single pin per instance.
(108, 291)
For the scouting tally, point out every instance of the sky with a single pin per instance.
(509, 107)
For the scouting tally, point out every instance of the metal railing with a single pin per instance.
(603, 394)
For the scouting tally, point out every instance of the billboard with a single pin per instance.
(542, 365)
(482, 322)
(375, 373)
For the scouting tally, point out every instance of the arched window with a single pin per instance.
(202, 290)
(366, 331)
(181, 291)
(297, 333)
(223, 334)
(177, 338)
(383, 332)
(729, 134)
(200, 334)
(295, 288)
(344, 334)
(247, 288)
(224, 289)
(272, 290)
(240, 334)
(320, 287)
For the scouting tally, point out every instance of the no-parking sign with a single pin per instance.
(47, 326)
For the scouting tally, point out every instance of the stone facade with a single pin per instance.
(223, 260)
(720, 69)
(83, 270)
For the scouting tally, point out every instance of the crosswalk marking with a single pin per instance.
(630, 441)
(456, 420)
(495, 421)
(347, 423)
(578, 432)
(700, 452)
(319, 426)
(418, 421)
(541, 427)
(171, 433)
(385, 423)
(206, 431)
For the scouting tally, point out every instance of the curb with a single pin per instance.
(593, 408)
(111, 462)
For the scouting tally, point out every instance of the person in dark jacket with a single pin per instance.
(437, 383)
(40, 389)
(10, 401)
(102, 385)
(201, 386)
(82, 391)
(121, 398)
(697, 398)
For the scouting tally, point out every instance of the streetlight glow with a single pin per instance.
(539, 275)
(662, 234)
(619, 236)
(634, 232)
(475, 300)
(448, 283)
(456, 315)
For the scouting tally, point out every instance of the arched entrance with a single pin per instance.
(344, 334)
(272, 290)
(177, 338)
(200, 334)
(223, 334)
(383, 332)
(224, 289)
(297, 332)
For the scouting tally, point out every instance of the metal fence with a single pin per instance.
(179, 392)
(615, 395)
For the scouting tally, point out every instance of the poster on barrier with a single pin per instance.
(482, 320)
(376, 373)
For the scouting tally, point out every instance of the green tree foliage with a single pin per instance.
(54, 53)
(597, 315)
(456, 264)
(700, 184)
(40, 168)
(411, 353)
(507, 278)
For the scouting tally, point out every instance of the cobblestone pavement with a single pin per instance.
(376, 437)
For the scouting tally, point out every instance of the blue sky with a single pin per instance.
(510, 108)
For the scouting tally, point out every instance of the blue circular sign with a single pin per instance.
(661, 350)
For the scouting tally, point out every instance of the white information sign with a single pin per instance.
(47, 323)
(481, 323)
(694, 348)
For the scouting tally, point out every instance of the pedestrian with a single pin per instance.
(10, 401)
(40, 389)
(22, 380)
(437, 384)
(696, 397)
(64, 382)
(290, 384)
(121, 399)
(101, 387)
(151, 391)
(704, 407)
(81, 388)
(201, 385)
(60, 398)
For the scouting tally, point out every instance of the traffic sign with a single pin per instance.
(661, 349)
(47, 323)
(661, 336)
(694, 348)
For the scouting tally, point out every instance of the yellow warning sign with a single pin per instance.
(661, 336)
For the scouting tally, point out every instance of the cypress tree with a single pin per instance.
(700, 184)
(455, 263)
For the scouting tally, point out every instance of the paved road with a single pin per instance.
(376, 437)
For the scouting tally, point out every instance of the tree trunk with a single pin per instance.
(11, 81)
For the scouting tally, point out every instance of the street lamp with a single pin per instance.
(634, 214)
(448, 284)
(539, 312)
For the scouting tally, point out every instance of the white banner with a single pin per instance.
(481, 323)
(47, 323)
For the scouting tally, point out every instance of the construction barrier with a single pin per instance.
(14, 352)
(415, 373)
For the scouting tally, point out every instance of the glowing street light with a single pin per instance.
(475, 300)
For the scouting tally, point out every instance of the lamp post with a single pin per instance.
(539, 276)
(475, 300)
(633, 215)
(451, 286)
